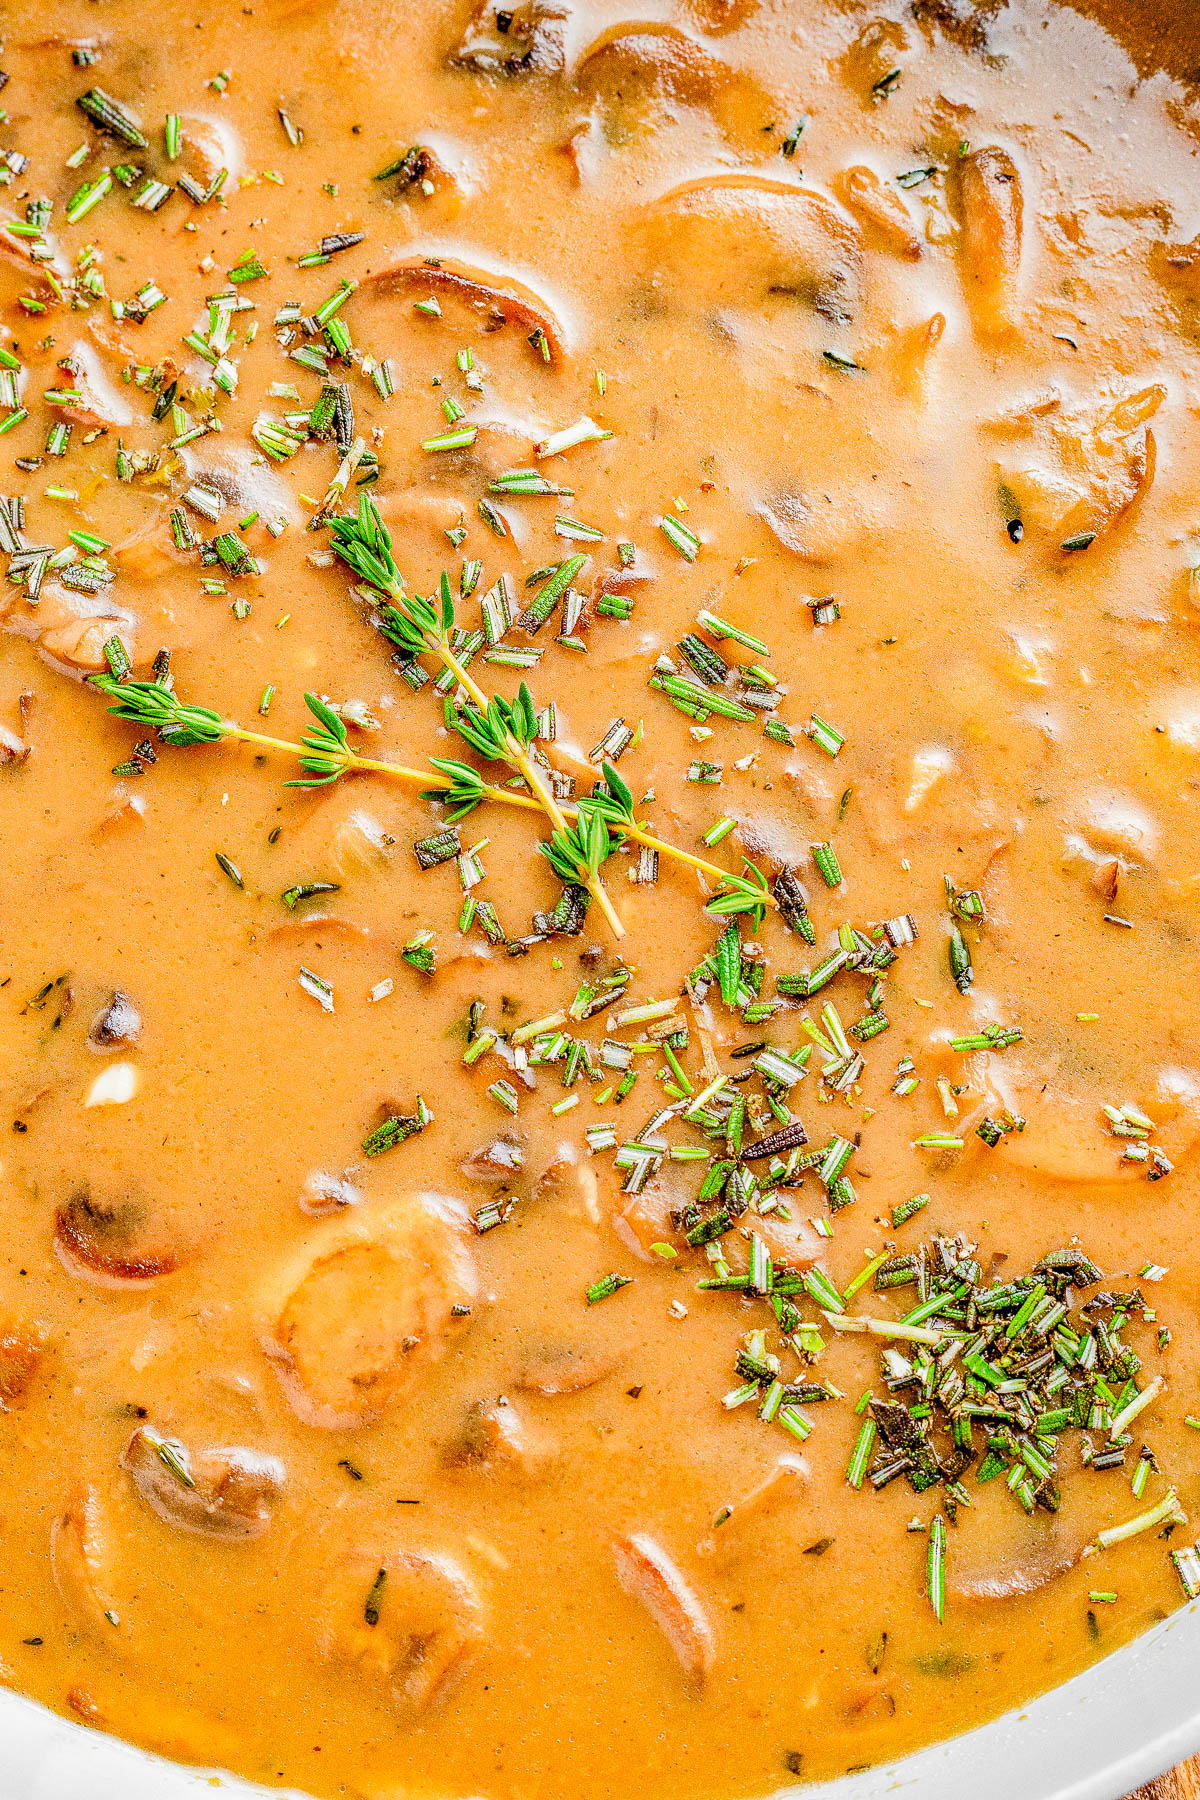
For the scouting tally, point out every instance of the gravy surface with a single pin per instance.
(825, 374)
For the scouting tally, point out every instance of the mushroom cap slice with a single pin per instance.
(213, 1493)
(22, 1354)
(411, 1620)
(647, 1573)
(81, 1556)
(114, 1240)
(373, 1308)
(990, 198)
(506, 298)
(788, 240)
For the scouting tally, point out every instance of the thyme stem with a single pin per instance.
(520, 760)
(325, 755)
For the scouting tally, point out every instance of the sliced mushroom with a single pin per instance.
(1065, 1138)
(71, 627)
(912, 356)
(716, 16)
(571, 1178)
(22, 1354)
(17, 252)
(380, 1296)
(411, 1620)
(149, 553)
(645, 1220)
(819, 527)
(224, 1494)
(80, 1555)
(992, 207)
(635, 78)
(965, 22)
(878, 202)
(503, 39)
(495, 1441)
(1089, 469)
(1123, 476)
(782, 1483)
(211, 144)
(117, 1024)
(501, 299)
(873, 53)
(647, 1573)
(558, 1369)
(1178, 266)
(792, 1242)
(792, 241)
(114, 1240)
(1012, 1579)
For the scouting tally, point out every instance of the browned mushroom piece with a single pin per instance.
(22, 1356)
(494, 1440)
(498, 299)
(114, 1240)
(558, 1370)
(783, 1483)
(81, 1552)
(16, 251)
(226, 1493)
(966, 23)
(872, 54)
(1065, 1137)
(717, 16)
(882, 207)
(1124, 476)
(148, 553)
(524, 39)
(991, 201)
(116, 1025)
(372, 1303)
(648, 1574)
(410, 1620)
(1011, 1579)
(635, 78)
(71, 627)
(1086, 469)
(210, 144)
(792, 242)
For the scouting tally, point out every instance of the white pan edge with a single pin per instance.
(1097, 1737)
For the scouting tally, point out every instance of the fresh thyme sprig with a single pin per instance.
(500, 730)
(603, 819)
(324, 753)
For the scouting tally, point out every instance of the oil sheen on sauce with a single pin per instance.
(828, 372)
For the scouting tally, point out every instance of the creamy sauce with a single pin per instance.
(317, 1461)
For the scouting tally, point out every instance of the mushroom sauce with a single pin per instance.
(640, 1229)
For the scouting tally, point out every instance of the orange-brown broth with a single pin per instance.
(1059, 691)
